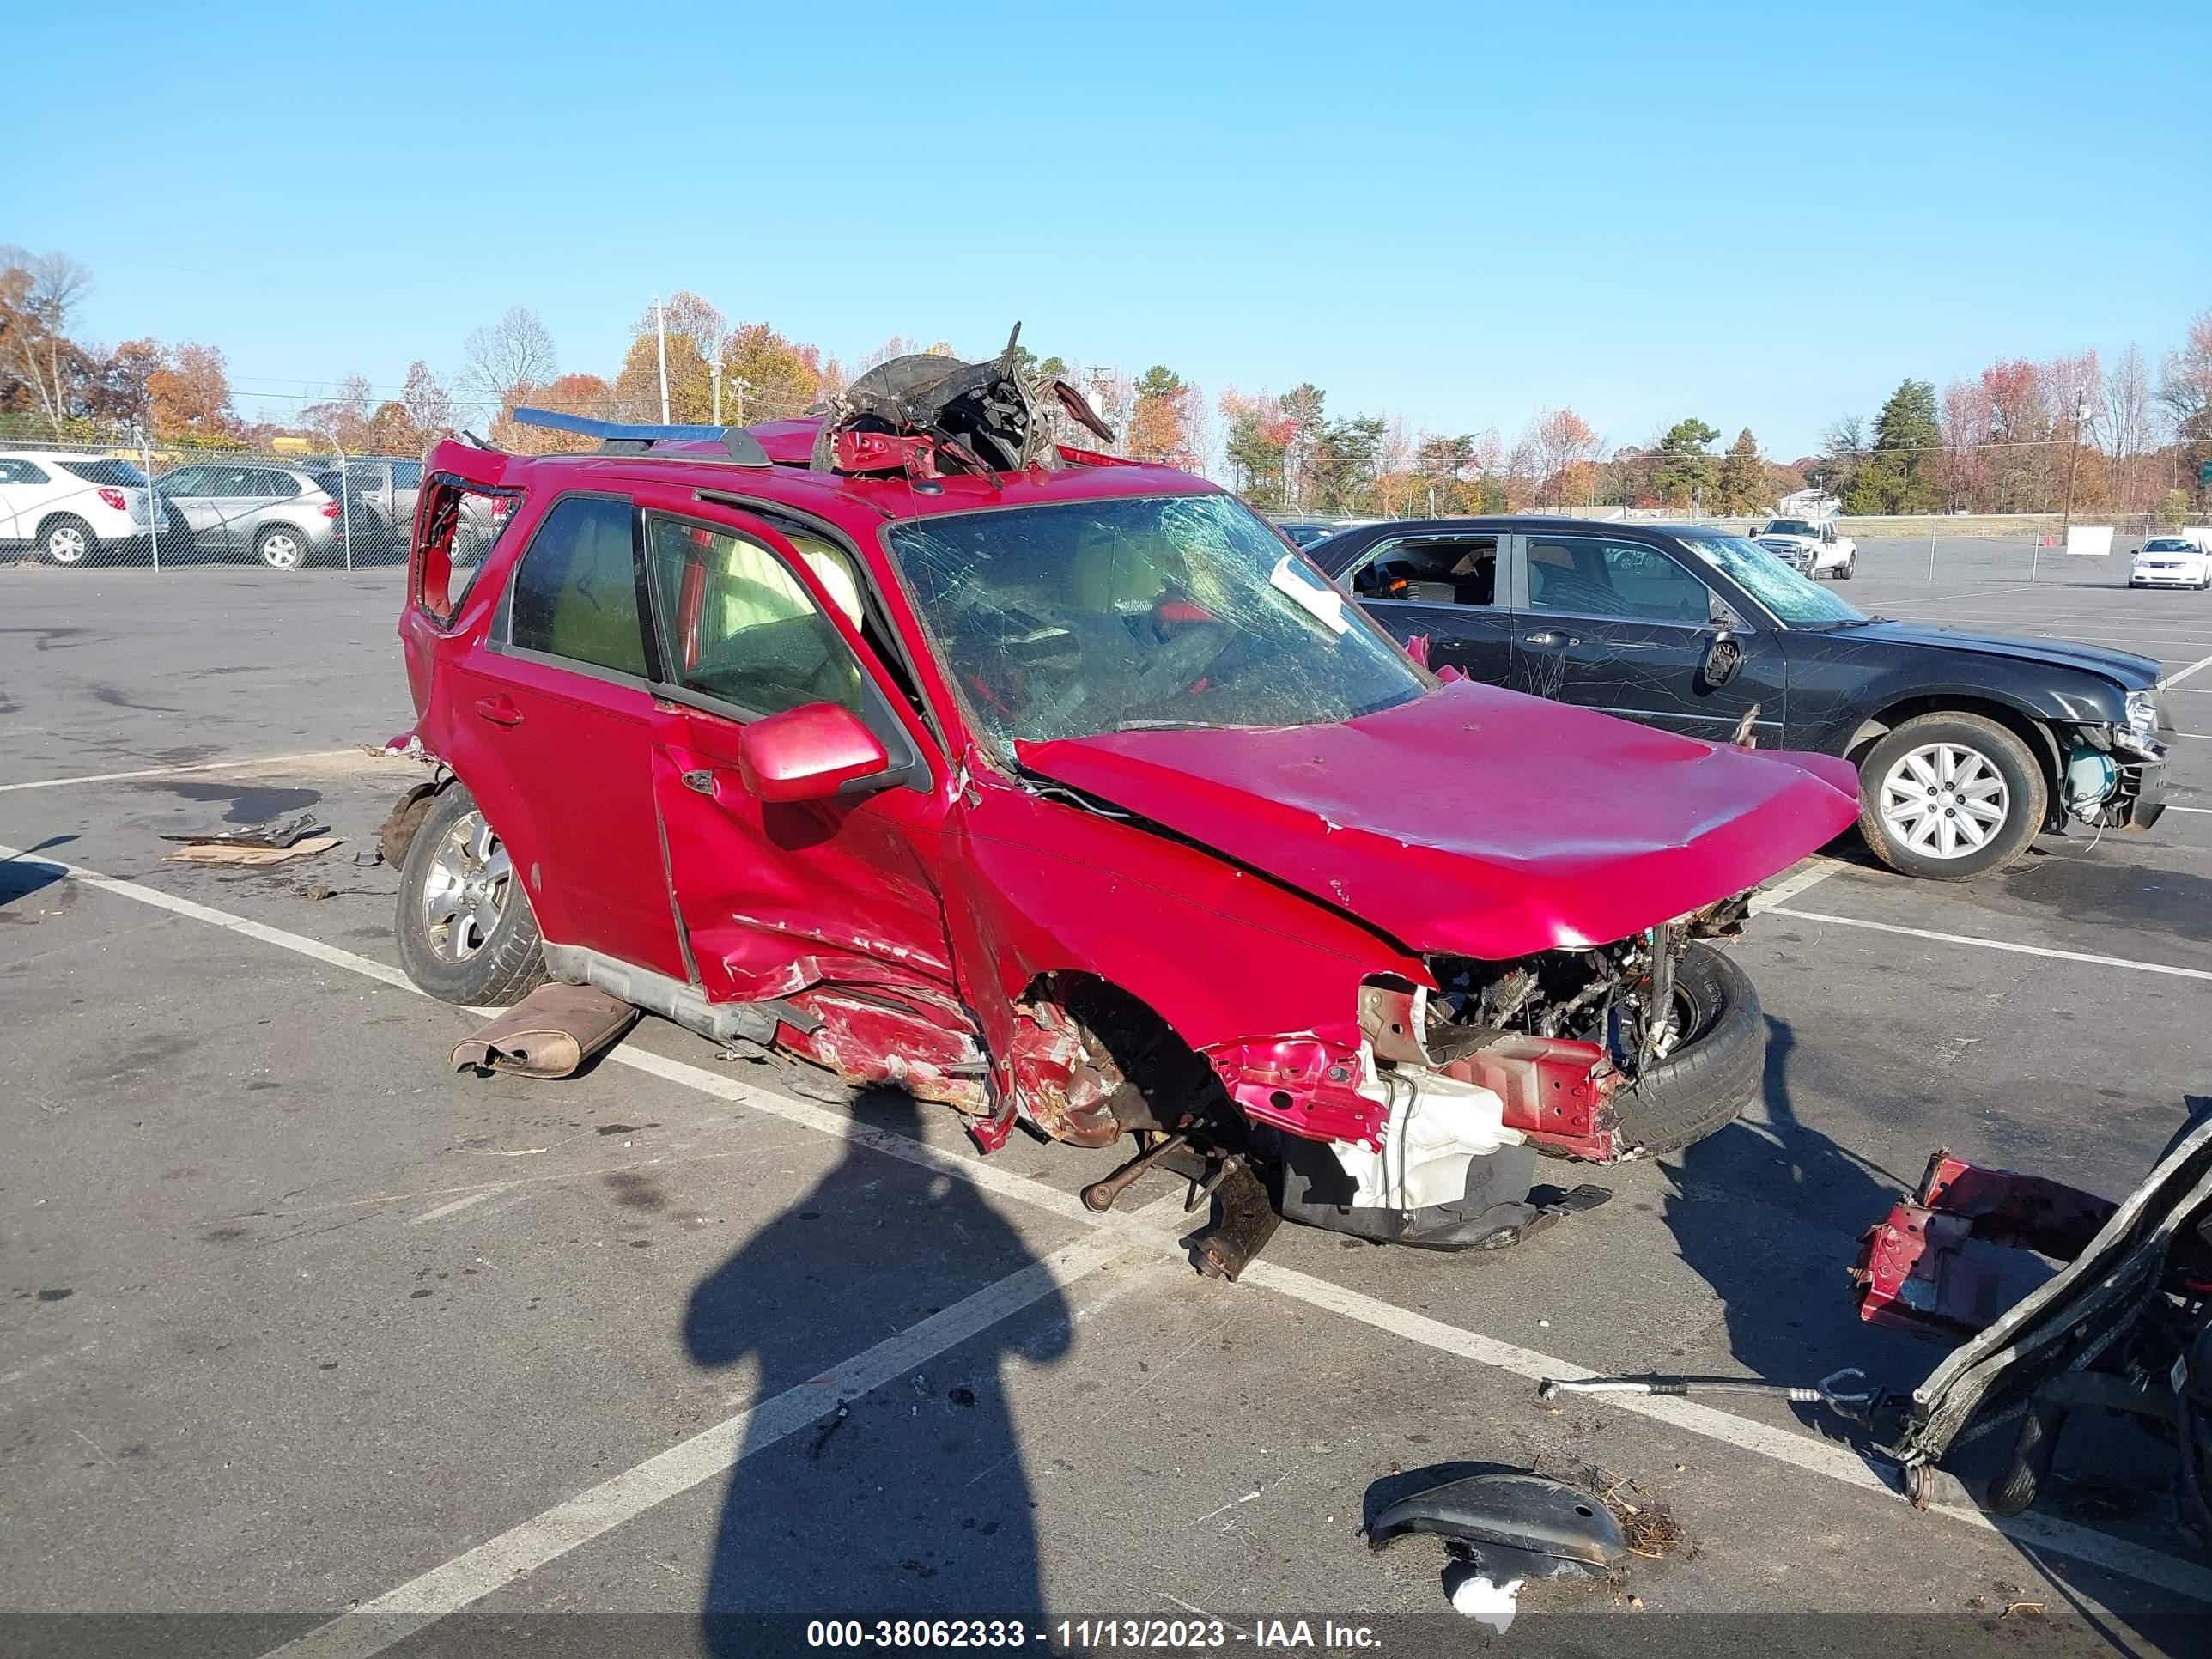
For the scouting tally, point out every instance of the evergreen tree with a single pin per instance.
(1683, 467)
(1743, 476)
(1902, 470)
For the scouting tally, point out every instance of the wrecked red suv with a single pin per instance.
(1063, 791)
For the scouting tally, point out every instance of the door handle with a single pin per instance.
(1550, 638)
(500, 710)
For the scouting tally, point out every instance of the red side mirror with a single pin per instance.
(808, 753)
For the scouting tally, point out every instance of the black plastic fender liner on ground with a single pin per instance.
(1525, 1525)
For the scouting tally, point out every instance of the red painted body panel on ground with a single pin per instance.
(1477, 821)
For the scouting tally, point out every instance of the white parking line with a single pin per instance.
(1812, 872)
(2000, 945)
(556, 1532)
(2176, 679)
(394, 1616)
(2207, 811)
(177, 771)
(459, 1203)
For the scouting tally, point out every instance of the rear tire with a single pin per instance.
(1711, 1075)
(1851, 565)
(1900, 801)
(466, 934)
(280, 547)
(66, 540)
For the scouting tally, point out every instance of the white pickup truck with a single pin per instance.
(1814, 549)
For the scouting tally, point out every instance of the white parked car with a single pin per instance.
(2171, 562)
(1812, 547)
(68, 508)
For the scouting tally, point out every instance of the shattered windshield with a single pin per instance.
(1796, 599)
(1149, 613)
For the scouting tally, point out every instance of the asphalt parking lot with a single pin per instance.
(307, 1340)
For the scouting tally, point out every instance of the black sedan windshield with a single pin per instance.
(1148, 611)
(1793, 598)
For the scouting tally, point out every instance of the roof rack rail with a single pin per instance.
(623, 438)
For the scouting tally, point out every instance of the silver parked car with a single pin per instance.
(389, 485)
(282, 516)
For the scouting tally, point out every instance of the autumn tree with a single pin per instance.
(690, 315)
(1742, 476)
(766, 377)
(2129, 423)
(1158, 422)
(189, 395)
(117, 392)
(1256, 440)
(1554, 459)
(424, 400)
(342, 418)
(1683, 470)
(2184, 385)
(567, 394)
(502, 362)
(637, 381)
(1902, 470)
(39, 296)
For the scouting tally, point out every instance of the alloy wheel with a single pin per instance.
(281, 550)
(466, 891)
(1944, 800)
(66, 545)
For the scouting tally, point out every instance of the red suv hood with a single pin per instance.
(1475, 821)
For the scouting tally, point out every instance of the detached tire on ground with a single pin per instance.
(1948, 796)
(1711, 1074)
(465, 931)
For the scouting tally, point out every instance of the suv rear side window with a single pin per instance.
(576, 589)
(105, 471)
(740, 627)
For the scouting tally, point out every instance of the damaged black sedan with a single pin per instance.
(1968, 745)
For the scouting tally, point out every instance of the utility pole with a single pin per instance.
(715, 378)
(2073, 464)
(661, 338)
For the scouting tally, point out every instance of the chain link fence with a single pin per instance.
(131, 503)
(135, 504)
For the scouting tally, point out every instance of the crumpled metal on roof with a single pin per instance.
(924, 414)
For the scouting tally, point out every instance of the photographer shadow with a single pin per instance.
(909, 1499)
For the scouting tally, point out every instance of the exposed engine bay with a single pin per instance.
(1425, 1132)
(1619, 997)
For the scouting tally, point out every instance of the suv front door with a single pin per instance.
(189, 492)
(551, 725)
(775, 897)
(1623, 626)
(1446, 587)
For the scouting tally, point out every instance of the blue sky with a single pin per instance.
(1756, 214)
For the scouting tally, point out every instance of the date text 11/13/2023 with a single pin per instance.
(1166, 1635)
